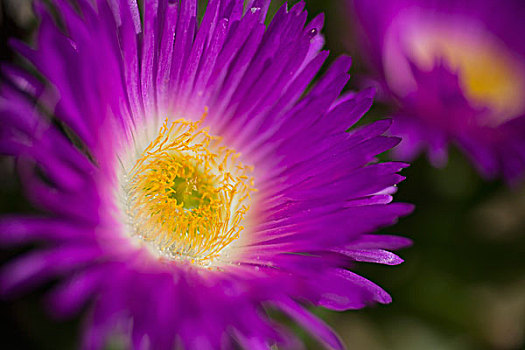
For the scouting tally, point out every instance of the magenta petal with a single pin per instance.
(34, 268)
(377, 256)
(317, 327)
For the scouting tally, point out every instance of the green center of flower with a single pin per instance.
(186, 191)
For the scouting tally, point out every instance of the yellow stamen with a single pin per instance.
(188, 194)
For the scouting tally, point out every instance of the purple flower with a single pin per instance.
(457, 71)
(187, 180)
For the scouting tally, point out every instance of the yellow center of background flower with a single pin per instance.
(490, 76)
(188, 194)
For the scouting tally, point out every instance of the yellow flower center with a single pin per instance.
(489, 74)
(188, 194)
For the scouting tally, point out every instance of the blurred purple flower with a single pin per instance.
(457, 71)
(179, 236)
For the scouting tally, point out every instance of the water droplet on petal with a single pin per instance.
(313, 32)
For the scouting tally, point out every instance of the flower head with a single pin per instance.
(187, 180)
(457, 70)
